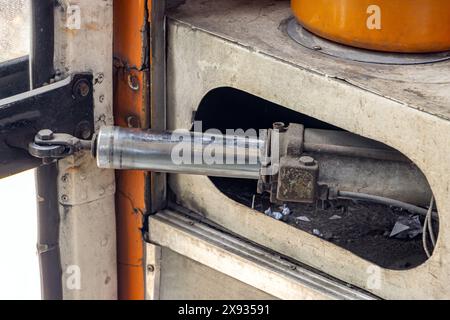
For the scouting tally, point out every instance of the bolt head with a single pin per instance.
(45, 135)
(82, 88)
(280, 126)
(133, 82)
(307, 161)
(133, 122)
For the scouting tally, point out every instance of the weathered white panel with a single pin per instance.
(83, 36)
(200, 60)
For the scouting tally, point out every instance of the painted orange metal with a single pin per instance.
(130, 109)
(385, 25)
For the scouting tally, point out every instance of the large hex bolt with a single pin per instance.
(45, 135)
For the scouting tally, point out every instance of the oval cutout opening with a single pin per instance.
(370, 230)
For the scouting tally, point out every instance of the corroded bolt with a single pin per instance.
(307, 161)
(45, 135)
(280, 126)
(133, 82)
(133, 122)
(82, 88)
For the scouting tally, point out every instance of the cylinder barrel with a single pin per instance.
(179, 152)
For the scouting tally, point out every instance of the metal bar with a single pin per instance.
(131, 109)
(348, 144)
(402, 181)
(42, 50)
(157, 191)
(48, 232)
(186, 153)
(41, 70)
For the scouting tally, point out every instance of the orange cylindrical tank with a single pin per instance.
(386, 25)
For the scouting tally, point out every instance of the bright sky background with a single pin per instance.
(19, 266)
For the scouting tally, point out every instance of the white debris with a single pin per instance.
(407, 227)
(277, 215)
(335, 217)
(317, 232)
(273, 214)
(303, 218)
(285, 210)
(398, 228)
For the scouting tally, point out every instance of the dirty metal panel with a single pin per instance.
(87, 237)
(262, 26)
(244, 261)
(218, 61)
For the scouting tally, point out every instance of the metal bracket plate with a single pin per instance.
(64, 107)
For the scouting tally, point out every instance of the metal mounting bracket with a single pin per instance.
(65, 106)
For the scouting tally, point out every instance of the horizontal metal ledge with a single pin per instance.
(244, 261)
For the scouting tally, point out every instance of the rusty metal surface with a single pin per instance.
(297, 181)
(131, 109)
(340, 161)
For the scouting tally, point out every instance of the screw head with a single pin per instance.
(280, 126)
(45, 135)
(307, 161)
(317, 48)
(82, 88)
(150, 268)
(133, 122)
(83, 130)
(133, 82)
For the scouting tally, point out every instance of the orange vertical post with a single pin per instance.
(131, 105)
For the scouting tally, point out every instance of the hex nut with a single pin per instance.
(307, 161)
(45, 135)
